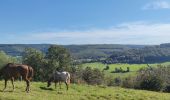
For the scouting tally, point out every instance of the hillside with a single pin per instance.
(106, 53)
(77, 92)
(147, 54)
(77, 51)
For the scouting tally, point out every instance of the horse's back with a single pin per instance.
(61, 76)
(15, 70)
(65, 76)
(66, 73)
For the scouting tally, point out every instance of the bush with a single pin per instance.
(113, 82)
(153, 83)
(93, 76)
(118, 81)
(128, 82)
(76, 74)
(106, 68)
(167, 88)
(151, 79)
(154, 79)
(128, 69)
(120, 70)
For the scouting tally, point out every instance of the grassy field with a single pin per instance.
(133, 68)
(77, 92)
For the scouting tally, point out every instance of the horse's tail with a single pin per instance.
(68, 78)
(31, 72)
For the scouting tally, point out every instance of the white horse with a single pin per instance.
(58, 77)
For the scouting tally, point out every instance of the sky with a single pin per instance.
(84, 21)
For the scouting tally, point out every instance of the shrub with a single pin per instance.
(106, 68)
(153, 83)
(117, 81)
(76, 74)
(113, 82)
(167, 88)
(120, 70)
(150, 79)
(93, 76)
(128, 82)
(128, 69)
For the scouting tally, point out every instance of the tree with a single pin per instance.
(58, 58)
(4, 59)
(35, 58)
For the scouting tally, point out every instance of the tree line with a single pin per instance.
(148, 54)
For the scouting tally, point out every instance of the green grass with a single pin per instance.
(133, 68)
(77, 92)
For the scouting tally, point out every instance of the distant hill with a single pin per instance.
(18, 49)
(97, 50)
(147, 54)
(77, 51)
(106, 53)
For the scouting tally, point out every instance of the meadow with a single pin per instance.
(39, 91)
(133, 68)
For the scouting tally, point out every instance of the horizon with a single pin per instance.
(77, 22)
(77, 44)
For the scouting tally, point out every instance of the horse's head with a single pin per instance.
(48, 83)
(50, 79)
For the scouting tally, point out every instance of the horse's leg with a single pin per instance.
(55, 84)
(20, 78)
(12, 81)
(5, 84)
(28, 85)
(66, 85)
(27, 82)
(60, 84)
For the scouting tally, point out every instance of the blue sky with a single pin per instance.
(85, 21)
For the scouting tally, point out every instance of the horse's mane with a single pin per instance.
(2, 69)
(9, 64)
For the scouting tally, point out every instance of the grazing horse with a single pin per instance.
(12, 71)
(58, 77)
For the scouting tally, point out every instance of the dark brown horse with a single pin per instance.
(12, 71)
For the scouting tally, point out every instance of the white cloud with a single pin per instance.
(157, 5)
(126, 33)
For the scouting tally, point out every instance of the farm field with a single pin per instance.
(133, 68)
(77, 92)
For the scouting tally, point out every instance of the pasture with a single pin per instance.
(133, 68)
(39, 91)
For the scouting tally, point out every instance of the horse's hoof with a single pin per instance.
(27, 91)
(3, 90)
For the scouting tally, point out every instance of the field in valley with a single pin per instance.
(77, 92)
(133, 68)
